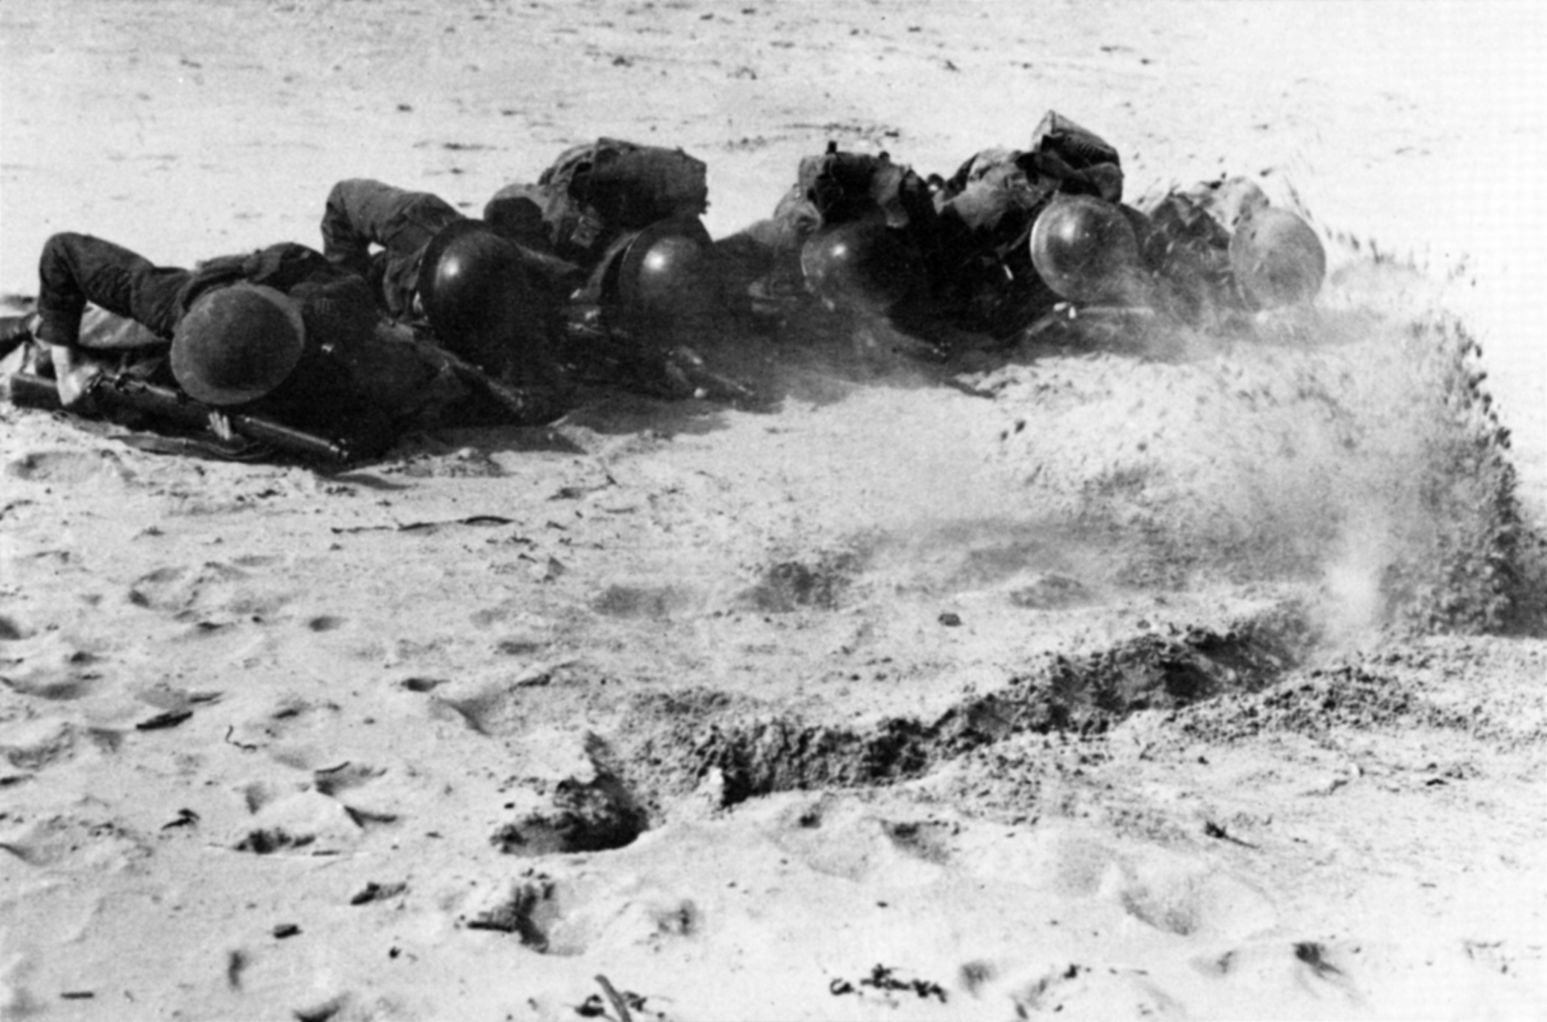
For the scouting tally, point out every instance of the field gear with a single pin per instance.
(1187, 247)
(1277, 258)
(596, 192)
(984, 278)
(862, 266)
(237, 343)
(1079, 160)
(280, 336)
(126, 394)
(1086, 250)
(776, 264)
(839, 187)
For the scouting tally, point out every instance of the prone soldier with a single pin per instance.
(650, 300)
(1222, 248)
(628, 217)
(1065, 243)
(601, 271)
(1016, 241)
(859, 234)
(278, 336)
(477, 292)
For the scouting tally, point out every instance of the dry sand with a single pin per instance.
(1199, 687)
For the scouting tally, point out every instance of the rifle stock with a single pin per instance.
(122, 391)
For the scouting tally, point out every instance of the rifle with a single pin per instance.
(523, 406)
(124, 392)
(597, 353)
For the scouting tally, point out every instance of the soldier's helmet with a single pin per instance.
(1086, 250)
(1276, 258)
(667, 281)
(237, 343)
(478, 296)
(862, 265)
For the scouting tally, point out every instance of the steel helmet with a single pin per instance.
(237, 343)
(1086, 250)
(475, 290)
(667, 279)
(1277, 258)
(861, 265)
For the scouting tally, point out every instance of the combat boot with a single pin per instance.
(15, 331)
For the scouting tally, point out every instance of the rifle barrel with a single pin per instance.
(28, 390)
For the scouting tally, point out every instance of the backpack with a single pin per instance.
(840, 187)
(986, 212)
(596, 192)
(1081, 161)
(987, 207)
(996, 194)
(837, 187)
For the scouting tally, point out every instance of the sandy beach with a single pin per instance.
(1206, 686)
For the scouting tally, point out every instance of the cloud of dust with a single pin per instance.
(1353, 450)
(1355, 604)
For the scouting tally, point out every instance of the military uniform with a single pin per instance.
(379, 233)
(351, 377)
(77, 269)
(597, 194)
(387, 235)
(983, 274)
(611, 249)
(649, 292)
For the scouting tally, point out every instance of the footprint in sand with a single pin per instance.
(214, 586)
(841, 837)
(67, 467)
(308, 822)
(147, 590)
(636, 601)
(572, 916)
(270, 730)
(1051, 592)
(50, 666)
(52, 685)
(72, 843)
(1309, 969)
(333, 779)
(1195, 902)
(40, 743)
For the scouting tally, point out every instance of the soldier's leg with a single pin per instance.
(361, 212)
(75, 269)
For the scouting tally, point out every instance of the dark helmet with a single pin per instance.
(1277, 258)
(861, 265)
(478, 297)
(1086, 250)
(666, 279)
(236, 344)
